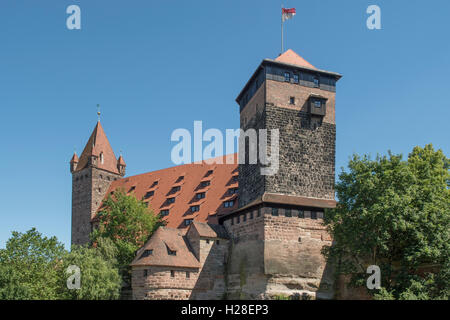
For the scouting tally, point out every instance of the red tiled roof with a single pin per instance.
(211, 206)
(208, 230)
(163, 239)
(291, 57)
(98, 144)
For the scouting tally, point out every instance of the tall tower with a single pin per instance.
(92, 175)
(277, 230)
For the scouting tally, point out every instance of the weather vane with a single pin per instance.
(98, 112)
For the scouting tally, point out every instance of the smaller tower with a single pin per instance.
(74, 163)
(92, 175)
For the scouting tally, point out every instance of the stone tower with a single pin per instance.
(92, 175)
(277, 231)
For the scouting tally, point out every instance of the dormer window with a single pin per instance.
(180, 178)
(147, 253)
(228, 204)
(175, 189)
(195, 208)
(233, 190)
(188, 222)
(171, 252)
(317, 103)
(154, 184)
(132, 189)
(210, 172)
(200, 195)
(171, 200)
(149, 194)
(164, 213)
(205, 183)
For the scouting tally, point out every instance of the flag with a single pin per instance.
(287, 13)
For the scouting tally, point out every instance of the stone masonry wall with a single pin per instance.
(245, 267)
(89, 187)
(306, 155)
(293, 261)
(173, 283)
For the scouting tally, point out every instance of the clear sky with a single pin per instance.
(155, 66)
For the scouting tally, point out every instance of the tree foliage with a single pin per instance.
(33, 267)
(128, 223)
(395, 214)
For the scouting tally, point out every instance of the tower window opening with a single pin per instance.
(292, 100)
(287, 77)
(102, 160)
(316, 82)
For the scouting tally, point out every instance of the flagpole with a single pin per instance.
(281, 29)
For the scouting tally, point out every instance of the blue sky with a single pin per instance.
(155, 66)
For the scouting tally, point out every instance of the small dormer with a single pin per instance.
(317, 105)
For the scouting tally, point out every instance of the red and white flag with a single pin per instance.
(287, 13)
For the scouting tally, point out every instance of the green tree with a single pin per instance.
(100, 279)
(33, 267)
(128, 222)
(28, 266)
(394, 214)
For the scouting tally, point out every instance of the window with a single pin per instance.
(164, 213)
(147, 253)
(287, 77)
(244, 217)
(301, 214)
(154, 184)
(238, 219)
(235, 178)
(233, 190)
(205, 183)
(317, 103)
(316, 82)
(228, 204)
(145, 273)
(232, 221)
(292, 100)
(295, 78)
(171, 200)
(188, 274)
(175, 189)
(275, 211)
(288, 212)
(313, 215)
(195, 208)
(200, 195)
(217, 242)
(180, 178)
(102, 160)
(132, 189)
(149, 194)
(251, 215)
(187, 222)
(207, 241)
(172, 273)
(210, 172)
(259, 212)
(171, 252)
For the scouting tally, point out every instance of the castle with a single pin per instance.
(232, 232)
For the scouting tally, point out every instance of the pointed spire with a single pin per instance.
(290, 57)
(98, 152)
(74, 158)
